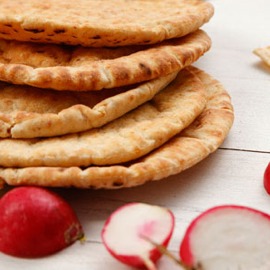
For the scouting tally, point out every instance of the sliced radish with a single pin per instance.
(266, 179)
(126, 233)
(228, 237)
(36, 222)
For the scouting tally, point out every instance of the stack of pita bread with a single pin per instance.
(103, 94)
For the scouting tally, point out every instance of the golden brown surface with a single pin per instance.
(128, 137)
(78, 68)
(27, 112)
(101, 23)
(186, 149)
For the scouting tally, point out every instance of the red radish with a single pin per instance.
(228, 237)
(266, 179)
(36, 222)
(126, 231)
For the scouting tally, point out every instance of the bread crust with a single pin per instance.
(101, 23)
(85, 69)
(186, 149)
(127, 138)
(29, 112)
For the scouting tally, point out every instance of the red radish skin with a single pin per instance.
(187, 247)
(36, 222)
(266, 179)
(147, 225)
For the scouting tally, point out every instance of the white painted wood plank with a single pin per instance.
(237, 28)
(226, 177)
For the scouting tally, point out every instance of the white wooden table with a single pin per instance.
(232, 175)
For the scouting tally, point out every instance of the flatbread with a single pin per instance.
(101, 23)
(185, 150)
(28, 112)
(264, 54)
(78, 68)
(128, 137)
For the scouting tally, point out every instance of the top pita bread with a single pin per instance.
(78, 68)
(186, 149)
(101, 23)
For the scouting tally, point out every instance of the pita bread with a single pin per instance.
(101, 23)
(78, 68)
(129, 137)
(28, 112)
(186, 149)
(264, 54)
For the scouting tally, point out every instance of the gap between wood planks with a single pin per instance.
(245, 150)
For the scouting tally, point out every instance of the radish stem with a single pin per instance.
(165, 251)
(148, 263)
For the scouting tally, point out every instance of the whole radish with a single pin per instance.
(266, 179)
(128, 231)
(36, 222)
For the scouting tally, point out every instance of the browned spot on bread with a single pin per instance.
(118, 183)
(145, 68)
(34, 30)
(96, 37)
(59, 31)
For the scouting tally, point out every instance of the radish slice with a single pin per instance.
(228, 237)
(126, 231)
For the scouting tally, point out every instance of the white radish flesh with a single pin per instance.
(228, 238)
(126, 231)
